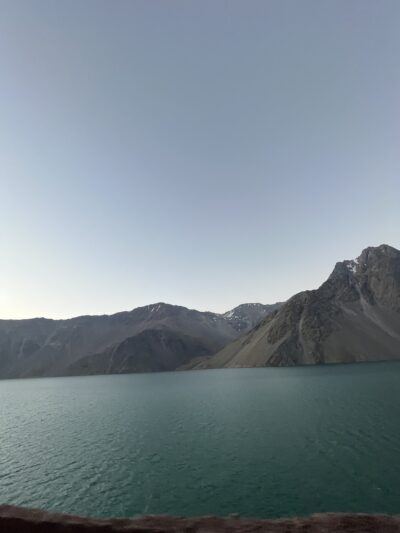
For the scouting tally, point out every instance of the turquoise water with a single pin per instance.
(259, 442)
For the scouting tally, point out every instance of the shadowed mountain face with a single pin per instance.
(354, 316)
(152, 350)
(150, 338)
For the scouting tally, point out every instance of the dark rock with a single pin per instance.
(354, 316)
(149, 338)
(20, 520)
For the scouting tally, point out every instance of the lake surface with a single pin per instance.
(259, 442)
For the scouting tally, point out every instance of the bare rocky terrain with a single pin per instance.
(353, 317)
(151, 338)
(20, 520)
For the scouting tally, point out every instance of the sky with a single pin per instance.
(201, 153)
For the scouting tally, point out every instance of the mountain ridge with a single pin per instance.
(353, 316)
(47, 347)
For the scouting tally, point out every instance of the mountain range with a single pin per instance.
(152, 338)
(353, 316)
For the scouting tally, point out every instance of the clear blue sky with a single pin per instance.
(204, 153)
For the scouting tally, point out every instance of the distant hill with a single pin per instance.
(354, 316)
(150, 338)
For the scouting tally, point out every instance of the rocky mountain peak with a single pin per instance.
(353, 316)
(245, 316)
(375, 270)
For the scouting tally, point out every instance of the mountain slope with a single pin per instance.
(42, 347)
(246, 316)
(354, 316)
(148, 351)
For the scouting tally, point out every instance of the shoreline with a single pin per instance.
(191, 370)
(15, 519)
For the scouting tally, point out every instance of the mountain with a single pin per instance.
(149, 338)
(246, 316)
(152, 350)
(353, 316)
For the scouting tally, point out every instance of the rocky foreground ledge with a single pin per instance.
(21, 520)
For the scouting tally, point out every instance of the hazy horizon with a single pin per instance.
(168, 303)
(203, 154)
